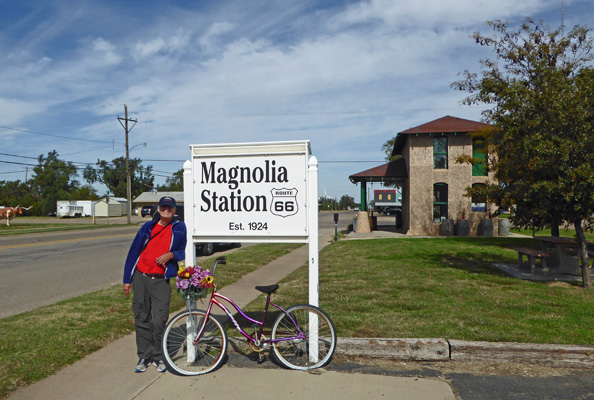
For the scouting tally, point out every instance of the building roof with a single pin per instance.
(154, 197)
(447, 124)
(394, 171)
(113, 199)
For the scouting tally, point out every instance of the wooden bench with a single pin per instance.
(532, 255)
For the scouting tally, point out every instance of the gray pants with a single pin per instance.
(150, 305)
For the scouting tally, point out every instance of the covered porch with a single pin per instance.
(393, 172)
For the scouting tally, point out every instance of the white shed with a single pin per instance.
(116, 207)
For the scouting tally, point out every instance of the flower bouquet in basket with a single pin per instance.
(193, 282)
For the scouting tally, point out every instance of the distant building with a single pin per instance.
(152, 198)
(116, 207)
(387, 198)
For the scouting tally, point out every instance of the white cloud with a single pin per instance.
(436, 14)
(210, 39)
(106, 52)
(147, 49)
(160, 45)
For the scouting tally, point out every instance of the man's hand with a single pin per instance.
(162, 260)
(127, 289)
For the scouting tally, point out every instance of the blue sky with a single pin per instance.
(347, 75)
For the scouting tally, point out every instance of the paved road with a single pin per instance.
(60, 265)
(41, 269)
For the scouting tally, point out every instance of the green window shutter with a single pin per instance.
(440, 152)
(479, 154)
(440, 201)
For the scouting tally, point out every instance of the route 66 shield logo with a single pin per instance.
(284, 202)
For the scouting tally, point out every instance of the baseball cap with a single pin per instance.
(167, 201)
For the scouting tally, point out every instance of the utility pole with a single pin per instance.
(562, 19)
(128, 183)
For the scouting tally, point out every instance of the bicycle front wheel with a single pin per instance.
(187, 358)
(315, 348)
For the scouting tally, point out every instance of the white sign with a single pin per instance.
(253, 192)
(250, 192)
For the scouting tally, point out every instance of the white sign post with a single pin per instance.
(313, 261)
(255, 192)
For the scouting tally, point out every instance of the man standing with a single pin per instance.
(151, 262)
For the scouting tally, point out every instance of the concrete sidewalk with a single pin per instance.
(109, 372)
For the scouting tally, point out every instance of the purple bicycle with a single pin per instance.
(302, 337)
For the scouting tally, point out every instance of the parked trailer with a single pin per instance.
(70, 211)
(83, 208)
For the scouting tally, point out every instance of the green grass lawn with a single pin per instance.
(441, 288)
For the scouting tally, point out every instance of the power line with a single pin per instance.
(17, 163)
(73, 166)
(56, 136)
(86, 151)
(14, 155)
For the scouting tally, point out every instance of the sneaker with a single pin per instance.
(142, 364)
(161, 367)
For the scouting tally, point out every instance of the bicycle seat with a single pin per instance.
(267, 289)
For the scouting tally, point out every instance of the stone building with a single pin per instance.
(435, 187)
(433, 183)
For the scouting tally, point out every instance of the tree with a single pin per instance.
(175, 183)
(346, 202)
(113, 175)
(387, 148)
(84, 192)
(540, 91)
(17, 193)
(52, 181)
(327, 203)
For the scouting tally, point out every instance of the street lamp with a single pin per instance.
(136, 145)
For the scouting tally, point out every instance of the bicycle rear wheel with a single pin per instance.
(313, 351)
(181, 355)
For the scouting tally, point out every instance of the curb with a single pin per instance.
(561, 356)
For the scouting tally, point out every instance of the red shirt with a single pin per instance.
(158, 246)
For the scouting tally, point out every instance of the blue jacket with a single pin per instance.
(178, 247)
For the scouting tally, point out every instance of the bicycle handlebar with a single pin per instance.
(219, 260)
